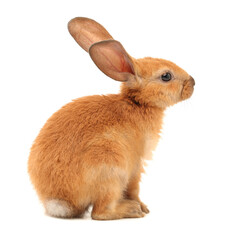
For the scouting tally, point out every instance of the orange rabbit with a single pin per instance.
(91, 151)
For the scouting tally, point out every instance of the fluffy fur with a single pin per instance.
(91, 151)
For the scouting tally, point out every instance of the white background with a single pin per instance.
(192, 186)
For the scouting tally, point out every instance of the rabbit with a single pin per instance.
(91, 152)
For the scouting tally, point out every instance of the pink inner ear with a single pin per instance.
(126, 65)
(117, 59)
(112, 59)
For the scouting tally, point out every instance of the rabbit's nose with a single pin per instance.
(192, 80)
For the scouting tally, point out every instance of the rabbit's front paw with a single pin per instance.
(134, 209)
(144, 207)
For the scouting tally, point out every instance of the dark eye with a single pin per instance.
(166, 77)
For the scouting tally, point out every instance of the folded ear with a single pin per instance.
(87, 31)
(112, 59)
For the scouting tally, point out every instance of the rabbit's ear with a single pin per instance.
(86, 32)
(112, 59)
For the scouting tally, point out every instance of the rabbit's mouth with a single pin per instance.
(188, 87)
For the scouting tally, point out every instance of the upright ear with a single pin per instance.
(86, 32)
(113, 60)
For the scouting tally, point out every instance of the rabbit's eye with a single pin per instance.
(166, 77)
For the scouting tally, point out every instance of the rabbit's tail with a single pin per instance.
(63, 209)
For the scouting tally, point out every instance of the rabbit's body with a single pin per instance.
(90, 143)
(91, 151)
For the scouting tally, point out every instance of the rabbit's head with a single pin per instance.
(146, 81)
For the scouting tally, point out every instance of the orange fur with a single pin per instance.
(91, 151)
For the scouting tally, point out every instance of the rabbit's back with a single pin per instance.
(75, 123)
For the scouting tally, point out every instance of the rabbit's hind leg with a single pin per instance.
(122, 209)
(111, 205)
